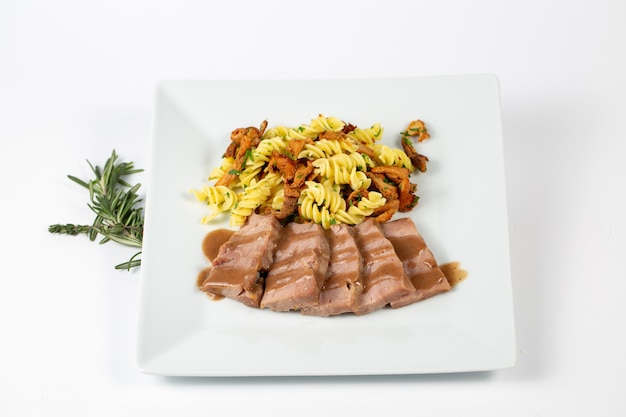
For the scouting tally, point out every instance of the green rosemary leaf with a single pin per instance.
(131, 263)
(78, 181)
(115, 202)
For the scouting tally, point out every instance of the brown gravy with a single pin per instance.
(210, 247)
(213, 241)
(453, 272)
(407, 246)
(201, 277)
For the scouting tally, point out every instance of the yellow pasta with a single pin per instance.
(263, 152)
(252, 171)
(364, 208)
(344, 169)
(392, 157)
(253, 196)
(367, 136)
(324, 148)
(311, 131)
(325, 194)
(219, 198)
(340, 163)
(218, 172)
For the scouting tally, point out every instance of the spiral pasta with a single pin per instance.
(219, 198)
(367, 136)
(392, 157)
(254, 195)
(324, 148)
(364, 208)
(263, 152)
(325, 194)
(251, 172)
(311, 131)
(319, 203)
(323, 204)
(278, 199)
(344, 169)
(218, 172)
(320, 163)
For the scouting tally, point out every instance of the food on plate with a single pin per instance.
(326, 172)
(314, 208)
(384, 279)
(344, 277)
(238, 270)
(417, 260)
(296, 275)
(345, 269)
(415, 129)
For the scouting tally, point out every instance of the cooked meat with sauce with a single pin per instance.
(295, 278)
(343, 284)
(237, 271)
(346, 269)
(417, 260)
(384, 279)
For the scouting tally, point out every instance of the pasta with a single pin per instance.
(253, 196)
(218, 172)
(310, 131)
(308, 173)
(323, 204)
(221, 199)
(263, 152)
(392, 157)
(344, 169)
(324, 148)
(367, 136)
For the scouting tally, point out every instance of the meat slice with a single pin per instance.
(237, 271)
(417, 260)
(343, 284)
(384, 280)
(300, 263)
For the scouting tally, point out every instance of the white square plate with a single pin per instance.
(461, 214)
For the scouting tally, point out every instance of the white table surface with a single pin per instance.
(78, 78)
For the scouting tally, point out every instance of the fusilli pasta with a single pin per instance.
(334, 163)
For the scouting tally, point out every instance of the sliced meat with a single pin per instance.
(417, 260)
(237, 271)
(384, 280)
(343, 284)
(300, 263)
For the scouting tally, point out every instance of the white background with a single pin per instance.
(77, 79)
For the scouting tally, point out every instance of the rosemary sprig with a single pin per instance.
(115, 203)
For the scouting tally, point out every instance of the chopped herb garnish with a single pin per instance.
(288, 154)
(248, 155)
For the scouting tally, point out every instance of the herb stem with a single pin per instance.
(115, 204)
